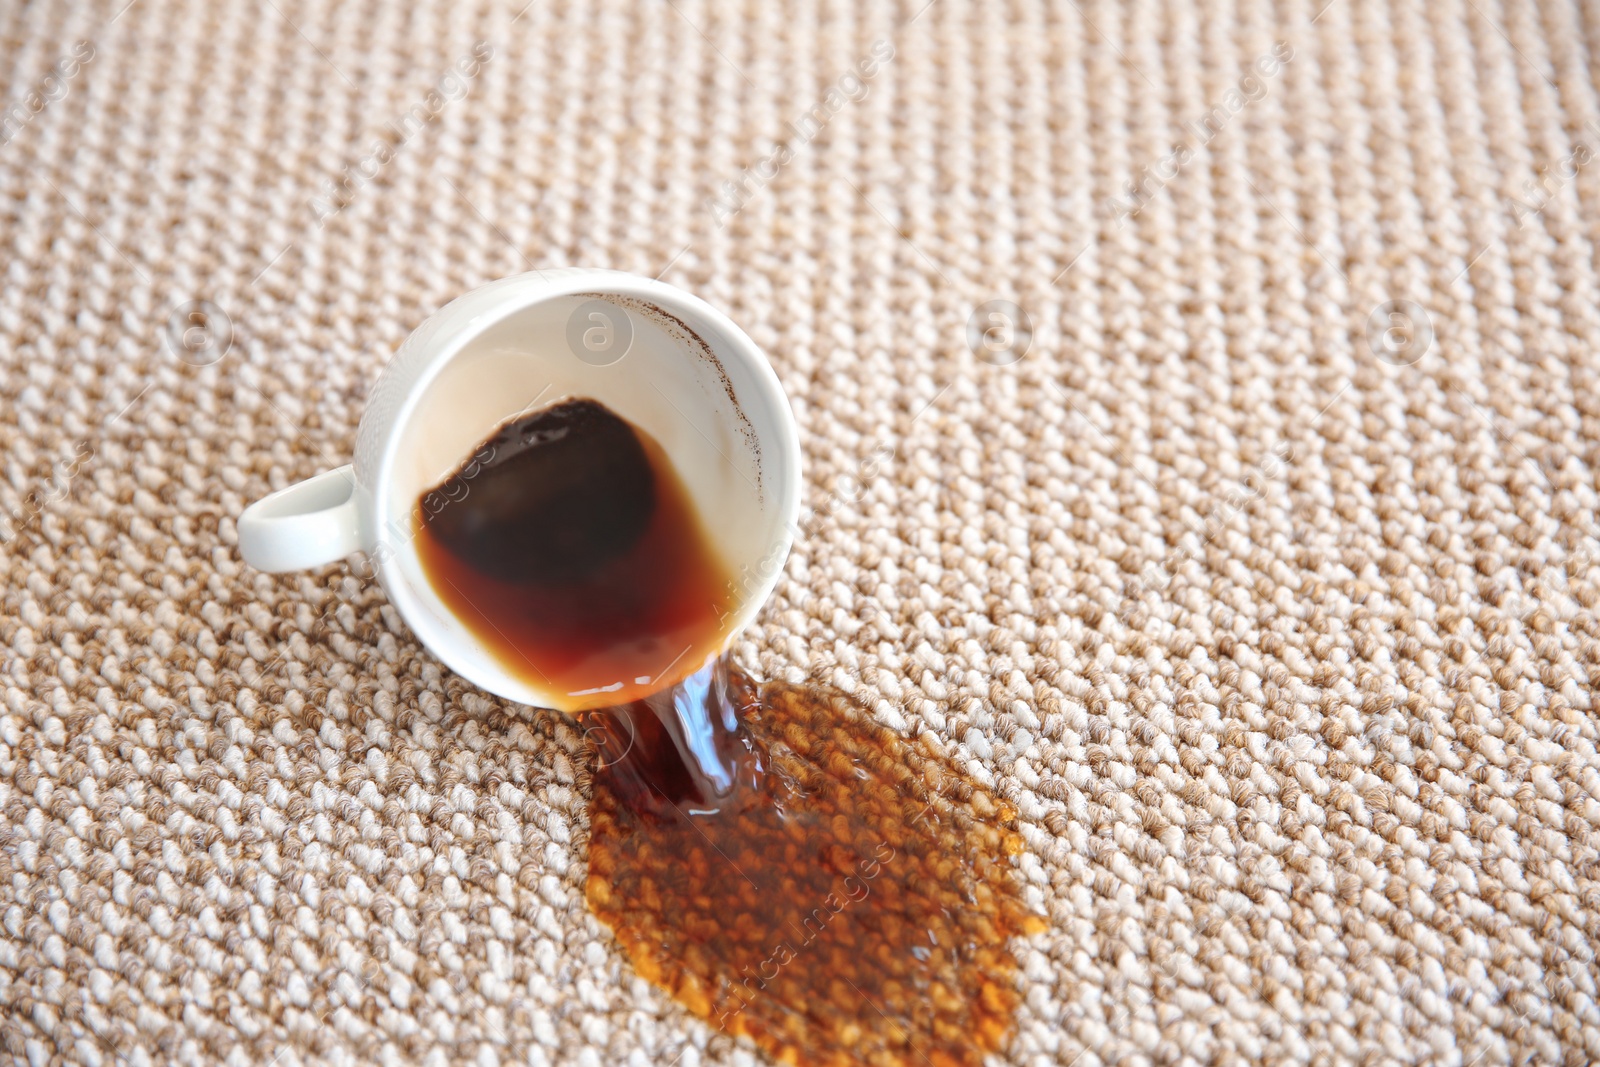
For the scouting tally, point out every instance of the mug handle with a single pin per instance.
(306, 525)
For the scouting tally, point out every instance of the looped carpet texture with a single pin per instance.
(1246, 546)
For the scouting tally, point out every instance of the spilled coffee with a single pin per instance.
(786, 869)
(803, 877)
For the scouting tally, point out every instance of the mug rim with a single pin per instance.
(443, 336)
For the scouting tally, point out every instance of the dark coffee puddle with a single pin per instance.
(844, 899)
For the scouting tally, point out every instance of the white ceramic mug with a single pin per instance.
(662, 359)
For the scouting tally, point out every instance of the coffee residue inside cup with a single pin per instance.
(572, 550)
(781, 865)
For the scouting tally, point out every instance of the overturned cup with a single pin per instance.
(660, 358)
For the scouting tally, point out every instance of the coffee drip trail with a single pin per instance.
(683, 750)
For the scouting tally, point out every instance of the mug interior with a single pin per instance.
(696, 385)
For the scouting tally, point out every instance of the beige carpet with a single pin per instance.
(1264, 583)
